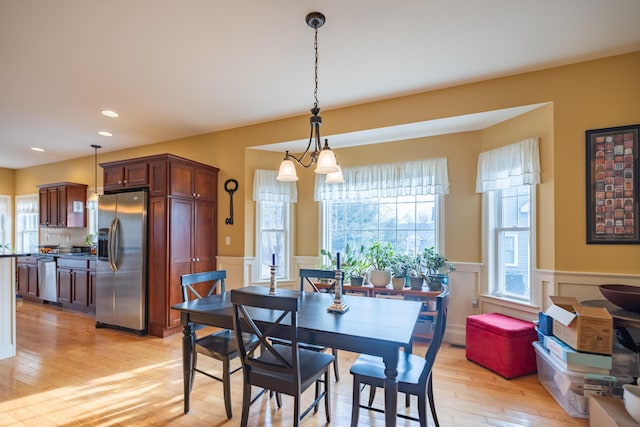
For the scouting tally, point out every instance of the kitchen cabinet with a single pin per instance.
(63, 205)
(27, 277)
(182, 227)
(125, 175)
(193, 182)
(74, 283)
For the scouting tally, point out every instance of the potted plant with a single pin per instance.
(416, 272)
(400, 270)
(379, 256)
(437, 268)
(353, 262)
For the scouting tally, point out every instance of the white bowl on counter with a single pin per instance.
(631, 396)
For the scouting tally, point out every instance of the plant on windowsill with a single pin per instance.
(437, 269)
(416, 272)
(353, 262)
(401, 264)
(380, 257)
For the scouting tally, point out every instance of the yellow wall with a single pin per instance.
(7, 181)
(588, 95)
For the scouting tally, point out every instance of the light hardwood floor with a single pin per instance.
(67, 373)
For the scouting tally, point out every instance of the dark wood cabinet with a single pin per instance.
(27, 277)
(63, 205)
(182, 228)
(126, 175)
(74, 283)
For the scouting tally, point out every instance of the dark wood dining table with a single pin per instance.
(375, 326)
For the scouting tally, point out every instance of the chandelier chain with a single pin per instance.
(315, 47)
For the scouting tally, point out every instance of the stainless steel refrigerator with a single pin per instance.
(121, 282)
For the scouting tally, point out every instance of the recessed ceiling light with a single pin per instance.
(105, 133)
(37, 149)
(110, 113)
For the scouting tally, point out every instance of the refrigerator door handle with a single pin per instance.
(113, 244)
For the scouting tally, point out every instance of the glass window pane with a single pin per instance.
(407, 222)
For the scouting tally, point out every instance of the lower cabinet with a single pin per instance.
(76, 284)
(27, 277)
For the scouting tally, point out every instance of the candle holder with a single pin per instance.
(273, 282)
(338, 305)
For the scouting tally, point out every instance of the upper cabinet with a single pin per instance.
(63, 204)
(122, 175)
(193, 181)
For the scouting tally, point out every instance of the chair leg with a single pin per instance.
(246, 401)
(336, 370)
(432, 403)
(279, 400)
(296, 410)
(407, 400)
(355, 402)
(372, 394)
(226, 386)
(317, 386)
(327, 395)
(422, 410)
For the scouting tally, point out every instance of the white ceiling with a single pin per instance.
(174, 69)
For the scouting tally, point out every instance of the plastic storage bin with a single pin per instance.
(568, 387)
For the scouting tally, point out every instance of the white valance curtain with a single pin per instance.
(510, 166)
(420, 177)
(266, 188)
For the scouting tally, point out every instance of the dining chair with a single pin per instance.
(220, 345)
(414, 372)
(306, 278)
(286, 369)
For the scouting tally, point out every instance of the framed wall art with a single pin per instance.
(613, 185)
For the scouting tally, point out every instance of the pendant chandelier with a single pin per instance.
(95, 195)
(321, 156)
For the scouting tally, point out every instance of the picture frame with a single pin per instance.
(613, 185)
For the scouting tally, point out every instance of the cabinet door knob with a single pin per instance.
(125, 181)
(197, 194)
(197, 259)
(119, 181)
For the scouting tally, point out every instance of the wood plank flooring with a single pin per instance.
(67, 373)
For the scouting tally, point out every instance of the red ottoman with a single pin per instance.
(502, 344)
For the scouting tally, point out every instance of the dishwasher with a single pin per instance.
(47, 279)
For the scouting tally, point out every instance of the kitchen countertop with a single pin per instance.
(9, 254)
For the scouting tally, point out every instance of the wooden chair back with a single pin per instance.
(307, 276)
(442, 305)
(200, 285)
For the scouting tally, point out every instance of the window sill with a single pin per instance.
(510, 303)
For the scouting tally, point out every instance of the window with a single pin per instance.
(409, 223)
(512, 233)
(5, 222)
(27, 223)
(398, 203)
(273, 222)
(507, 178)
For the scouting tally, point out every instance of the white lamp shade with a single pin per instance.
(335, 177)
(326, 162)
(287, 171)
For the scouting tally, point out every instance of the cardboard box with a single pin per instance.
(588, 329)
(545, 324)
(609, 412)
(577, 360)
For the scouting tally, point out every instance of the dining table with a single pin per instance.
(375, 326)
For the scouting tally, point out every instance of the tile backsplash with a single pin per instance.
(62, 236)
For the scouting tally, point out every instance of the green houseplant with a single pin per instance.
(352, 261)
(400, 270)
(416, 271)
(380, 257)
(437, 268)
